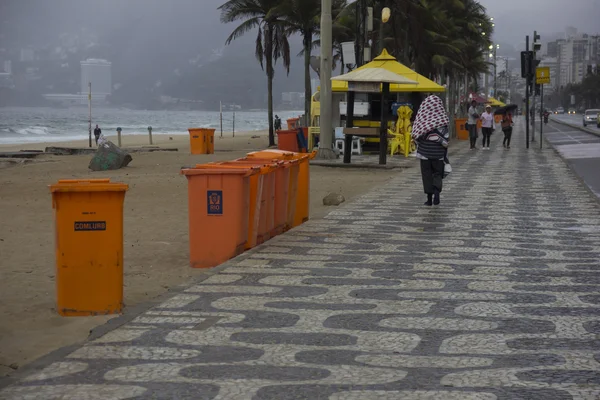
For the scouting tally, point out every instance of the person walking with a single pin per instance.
(472, 123)
(97, 133)
(487, 126)
(431, 133)
(507, 128)
(277, 123)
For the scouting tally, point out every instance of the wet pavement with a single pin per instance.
(494, 294)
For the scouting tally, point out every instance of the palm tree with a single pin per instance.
(271, 42)
(303, 17)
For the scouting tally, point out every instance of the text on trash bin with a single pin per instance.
(90, 226)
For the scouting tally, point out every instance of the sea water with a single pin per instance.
(30, 125)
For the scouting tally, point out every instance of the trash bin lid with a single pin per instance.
(88, 185)
(272, 154)
(220, 171)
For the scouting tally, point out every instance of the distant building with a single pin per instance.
(293, 99)
(27, 55)
(7, 67)
(573, 57)
(98, 72)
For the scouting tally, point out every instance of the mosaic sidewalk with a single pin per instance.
(493, 295)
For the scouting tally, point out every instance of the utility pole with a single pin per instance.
(90, 111)
(326, 125)
(526, 69)
(534, 63)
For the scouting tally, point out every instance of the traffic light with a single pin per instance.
(538, 89)
(534, 64)
(526, 57)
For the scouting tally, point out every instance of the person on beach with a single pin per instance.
(277, 123)
(472, 124)
(487, 126)
(507, 128)
(97, 133)
(431, 133)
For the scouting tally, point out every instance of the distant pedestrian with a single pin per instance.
(507, 128)
(277, 123)
(487, 126)
(431, 133)
(472, 123)
(97, 133)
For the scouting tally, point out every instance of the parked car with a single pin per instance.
(572, 111)
(590, 116)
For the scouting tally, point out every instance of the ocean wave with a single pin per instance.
(34, 130)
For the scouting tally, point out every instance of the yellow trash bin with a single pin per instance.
(202, 140)
(89, 246)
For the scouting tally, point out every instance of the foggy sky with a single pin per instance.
(517, 18)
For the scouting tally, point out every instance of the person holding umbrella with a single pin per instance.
(507, 123)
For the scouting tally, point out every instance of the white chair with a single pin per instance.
(357, 142)
(357, 145)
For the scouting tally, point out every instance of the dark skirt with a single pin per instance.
(432, 172)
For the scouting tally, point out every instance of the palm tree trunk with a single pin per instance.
(270, 74)
(307, 86)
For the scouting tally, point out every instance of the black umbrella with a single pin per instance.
(505, 109)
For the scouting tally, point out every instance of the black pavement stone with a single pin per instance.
(529, 394)
(328, 357)
(349, 282)
(298, 392)
(592, 327)
(528, 361)
(557, 311)
(254, 372)
(592, 298)
(300, 338)
(264, 319)
(562, 377)
(319, 306)
(558, 288)
(554, 344)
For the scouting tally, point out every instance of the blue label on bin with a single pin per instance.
(215, 202)
(90, 226)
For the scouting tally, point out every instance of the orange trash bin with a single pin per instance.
(288, 140)
(89, 246)
(462, 133)
(259, 208)
(201, 140)
(301, 212)
(272, 224)
(281, 174)
(218, 204)
(292, 123)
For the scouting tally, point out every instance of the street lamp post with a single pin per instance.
(493, 55)
(326, 125)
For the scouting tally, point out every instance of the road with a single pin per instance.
(581, 149)
(575, 119)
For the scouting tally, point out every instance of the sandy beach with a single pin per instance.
(155, 231)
